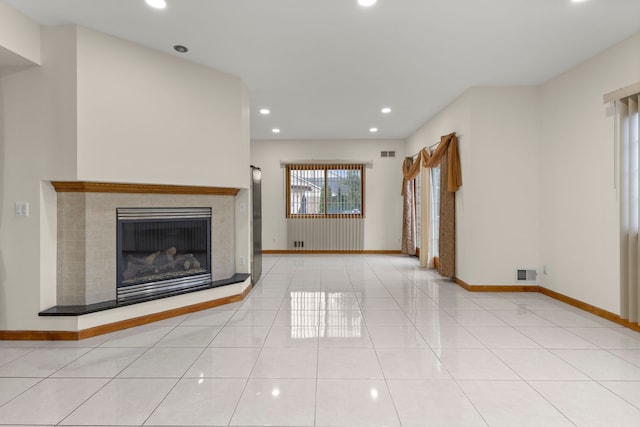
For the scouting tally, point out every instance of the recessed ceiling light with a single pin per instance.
(157, 4)
(373, 130)
(275, 130)
(366, 3)
(180, 48)
(577, 1)
(264, 111)
(385, 110)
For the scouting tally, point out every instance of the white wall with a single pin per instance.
(497, 205)
(94, 105)
(244, 206)
(502, 211)
(19, 38)
(579, 221)
(538, 178)
(456, 117)
(38, 137)
(383, 182)
(149, 117)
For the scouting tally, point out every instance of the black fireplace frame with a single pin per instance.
(147, 291)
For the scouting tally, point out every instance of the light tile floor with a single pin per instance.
(338, 341)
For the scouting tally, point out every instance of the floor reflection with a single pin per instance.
(325, 314)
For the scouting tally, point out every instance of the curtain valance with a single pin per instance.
(411, 169)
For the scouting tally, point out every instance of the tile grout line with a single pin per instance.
(178, 380)
(397, 275)
(457, 381)
(112, 379)
(246, 382)
(384, 376)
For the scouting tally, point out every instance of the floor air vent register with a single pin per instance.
(526, 275)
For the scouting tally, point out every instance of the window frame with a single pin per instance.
(324, 167)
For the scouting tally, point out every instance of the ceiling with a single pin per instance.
(325, 68)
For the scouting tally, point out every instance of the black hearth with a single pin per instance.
(162, 252)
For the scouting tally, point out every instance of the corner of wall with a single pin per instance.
(19, 35)
(3, 213)
(579, 222)
(243, 231)
(48, 240)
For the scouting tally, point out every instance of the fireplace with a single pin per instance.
(162, 252)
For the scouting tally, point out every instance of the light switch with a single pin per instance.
(22, 208)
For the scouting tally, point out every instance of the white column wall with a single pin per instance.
(383, 182)
(503, 221)
(150, 117)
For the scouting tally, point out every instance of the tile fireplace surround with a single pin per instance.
(86, 259)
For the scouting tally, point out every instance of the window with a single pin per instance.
(324, 190)
(433, 222)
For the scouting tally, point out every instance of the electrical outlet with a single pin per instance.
(241, 260)
(545, 269)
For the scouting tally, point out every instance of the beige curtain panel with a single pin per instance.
(427, 249)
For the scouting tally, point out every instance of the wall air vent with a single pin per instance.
(526, 275)
(384, 154)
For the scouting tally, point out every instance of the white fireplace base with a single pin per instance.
(119, 314)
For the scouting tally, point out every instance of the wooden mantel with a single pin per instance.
(111, 187)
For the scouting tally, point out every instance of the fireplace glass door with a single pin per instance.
(162, 251)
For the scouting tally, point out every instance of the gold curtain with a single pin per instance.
(448, 143)
(447, 231)
(448, 157)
